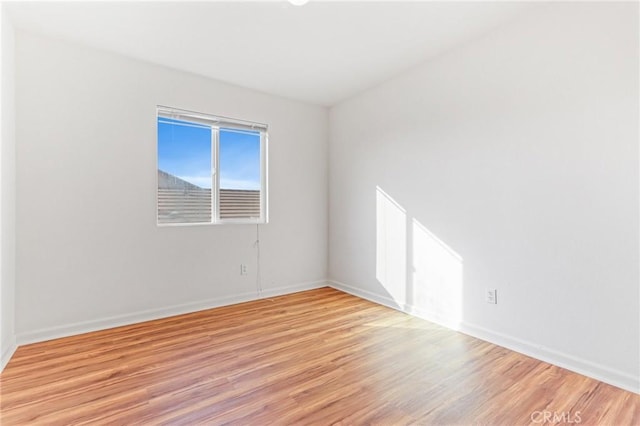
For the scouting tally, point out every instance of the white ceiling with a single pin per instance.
(322, 52)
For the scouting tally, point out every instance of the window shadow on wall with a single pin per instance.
(419, 271)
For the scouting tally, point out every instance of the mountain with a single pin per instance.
(169, 181)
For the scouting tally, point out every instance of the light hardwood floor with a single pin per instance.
(316, 357)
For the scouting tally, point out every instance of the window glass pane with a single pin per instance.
(184, 172)
(239, 158)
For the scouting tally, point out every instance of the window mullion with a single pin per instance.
(263, 177)
(215, 184)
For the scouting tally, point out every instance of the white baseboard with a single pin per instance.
(8, 349)
(587, 368)
(365, 294)
(578, 365)
(73, 329)
(390, 303)
(280, 291)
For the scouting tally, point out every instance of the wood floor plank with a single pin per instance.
(316, 357)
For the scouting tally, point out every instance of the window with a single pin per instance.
(210, 169)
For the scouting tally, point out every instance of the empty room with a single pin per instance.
(320, 212)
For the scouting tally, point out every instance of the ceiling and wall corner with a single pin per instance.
(322, 52)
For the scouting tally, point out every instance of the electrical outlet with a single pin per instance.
(491, 296)
(243, 269)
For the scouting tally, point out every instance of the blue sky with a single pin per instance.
(184, 150)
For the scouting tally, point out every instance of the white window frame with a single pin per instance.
(216, 123)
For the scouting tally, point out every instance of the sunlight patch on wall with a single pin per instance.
(417, 270)
(437, 277)
(391, 246)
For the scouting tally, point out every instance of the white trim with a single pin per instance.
(264, 176)
(295, 288)
(7, 353)
(390, 303)
(215, 175)
(587, 368)
(208, 119)
(578, 365)
(367, 295)
(66, 330)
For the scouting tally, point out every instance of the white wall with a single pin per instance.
(7, 193)
(519, 152)
(89, 253)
